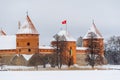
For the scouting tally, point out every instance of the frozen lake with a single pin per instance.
(113, 74)
(61, 75)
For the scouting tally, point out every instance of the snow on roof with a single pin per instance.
(7, 42)
(27, 56)
(2, 33)
(45, 47)
(27, 27)
(64, 36)
(81, 48)
(93, 32)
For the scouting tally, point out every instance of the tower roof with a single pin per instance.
(2, 33)
(64, 36)
(27, 27)
(93, 32)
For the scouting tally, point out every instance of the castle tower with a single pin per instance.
(27, 38)
(66, 45)
(97, 40)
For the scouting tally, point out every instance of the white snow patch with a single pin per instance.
(114, 67)
(64, 35)
(27, 56)
(27, 27)
(61, 75)
(48, 65)
(81, 48)
(17, 67)
(93, 31)
(45, 47)
(7, 42)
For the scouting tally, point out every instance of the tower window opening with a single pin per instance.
(29, 50)
(28, 44)
(19, 50)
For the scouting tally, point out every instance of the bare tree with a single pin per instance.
(93, 56)
(60, 46)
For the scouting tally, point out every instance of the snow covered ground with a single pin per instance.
(113, 74)
(114, 67)
(65, 67)
(61, 75)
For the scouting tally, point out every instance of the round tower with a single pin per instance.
(94, 38)
(27, 38)
(65, 46)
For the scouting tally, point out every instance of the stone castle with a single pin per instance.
(24, 47)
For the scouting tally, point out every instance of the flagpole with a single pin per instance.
(66, 26)
(64, 22)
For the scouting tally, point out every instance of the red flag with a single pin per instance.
(64, 22)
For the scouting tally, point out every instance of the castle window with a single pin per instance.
(29, 50)
(28, 44)
(19, 50)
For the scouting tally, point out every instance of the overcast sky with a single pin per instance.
(47, 16)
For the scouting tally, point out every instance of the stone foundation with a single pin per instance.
(81, 59)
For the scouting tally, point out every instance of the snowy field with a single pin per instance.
(113, 74)
(61, 75)
(64, 67)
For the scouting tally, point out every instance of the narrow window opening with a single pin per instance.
(28, 44)
(29, 50)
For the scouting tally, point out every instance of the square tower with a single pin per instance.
(27, 38)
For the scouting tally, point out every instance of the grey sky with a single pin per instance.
(48, 14)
